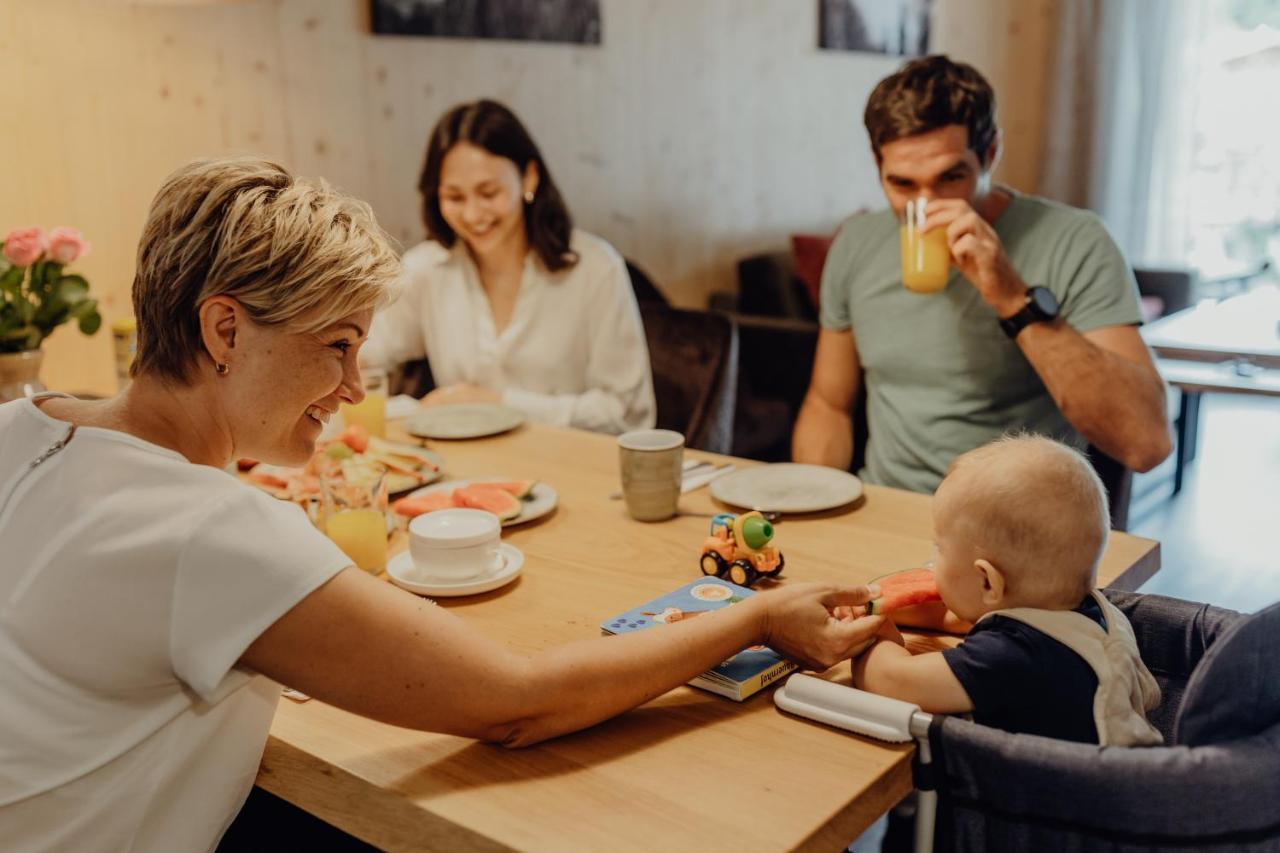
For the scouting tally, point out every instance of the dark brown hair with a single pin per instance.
(491, 126)
(929, 93)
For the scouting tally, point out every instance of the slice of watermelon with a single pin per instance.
(904, 589)
(429, 502)
(488, 497)
(520, 488)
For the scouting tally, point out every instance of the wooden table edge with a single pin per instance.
(376, 815)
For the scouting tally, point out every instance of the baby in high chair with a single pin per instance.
(1019, 526)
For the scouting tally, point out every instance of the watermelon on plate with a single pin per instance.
(488, 497)
(522, 489)
(429, 502)
(904, 589)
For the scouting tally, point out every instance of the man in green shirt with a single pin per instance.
(1036, 328)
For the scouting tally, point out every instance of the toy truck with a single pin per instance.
(738, 549)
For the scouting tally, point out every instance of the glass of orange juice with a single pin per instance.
(371, 412)
(354, 509)
(926, 258)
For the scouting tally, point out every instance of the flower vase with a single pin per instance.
(20, 374)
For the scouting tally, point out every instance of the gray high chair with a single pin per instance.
(1215, 786)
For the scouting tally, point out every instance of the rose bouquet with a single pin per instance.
(36, 296)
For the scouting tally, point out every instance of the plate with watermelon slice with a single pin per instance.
(513, 501)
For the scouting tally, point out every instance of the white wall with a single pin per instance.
(700, 131)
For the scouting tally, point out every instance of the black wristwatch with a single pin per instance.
(1041, 307)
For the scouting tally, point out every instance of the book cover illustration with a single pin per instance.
(738, 677)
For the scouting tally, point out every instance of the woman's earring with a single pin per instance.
(222, 367)
(528, 197)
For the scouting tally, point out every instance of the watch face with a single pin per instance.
(1044, 302)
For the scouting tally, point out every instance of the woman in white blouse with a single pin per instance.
(506, 299)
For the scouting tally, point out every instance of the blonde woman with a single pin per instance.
(151, 604)
(508, 301)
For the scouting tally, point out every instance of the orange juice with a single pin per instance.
(371, 413)
(362, 535)
(926, 260)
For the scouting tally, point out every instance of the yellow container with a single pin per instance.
(362, 535)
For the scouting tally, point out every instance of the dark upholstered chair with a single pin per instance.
(768, 287)
(647, 293)
(1118, 481)
(694, 356)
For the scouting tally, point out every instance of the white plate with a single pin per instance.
(400, 568)
(788, 487)
(541, 500)
(463, 420)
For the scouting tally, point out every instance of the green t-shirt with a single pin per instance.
(942, 378)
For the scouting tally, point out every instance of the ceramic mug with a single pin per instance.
(452, 545)
(651, 461)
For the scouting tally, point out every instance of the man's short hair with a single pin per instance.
(293, 252)
(929, 93)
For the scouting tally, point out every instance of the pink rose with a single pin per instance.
(23, 246)
(65, 245)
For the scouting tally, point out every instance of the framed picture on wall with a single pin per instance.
(575, 21)
(895, 27)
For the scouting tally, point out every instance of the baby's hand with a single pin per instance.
(889, 631)
(848, 612)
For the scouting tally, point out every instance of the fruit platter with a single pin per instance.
(359, 457)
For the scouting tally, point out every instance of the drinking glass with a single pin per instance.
(926, 258)
(355, 517)
(371, 412)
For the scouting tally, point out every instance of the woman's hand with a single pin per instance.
(461, 392)
(801, 623)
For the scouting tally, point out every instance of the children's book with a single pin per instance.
(741, 675)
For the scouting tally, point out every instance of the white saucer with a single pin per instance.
(401, 565)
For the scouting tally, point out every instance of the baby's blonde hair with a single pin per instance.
(1036, 509)
(292, 251)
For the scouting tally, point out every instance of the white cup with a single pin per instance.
(651, 461)
(454, 545)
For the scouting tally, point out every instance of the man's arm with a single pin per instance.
(824, 428)
(1107, 387)
(1103, 381)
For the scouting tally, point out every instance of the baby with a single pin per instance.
(1019, 526)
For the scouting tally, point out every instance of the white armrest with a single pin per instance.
(858, 711)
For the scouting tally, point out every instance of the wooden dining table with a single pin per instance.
(687, 771)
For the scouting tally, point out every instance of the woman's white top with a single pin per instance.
(573, 354)
(131, 582)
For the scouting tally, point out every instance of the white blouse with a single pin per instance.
(573, 354)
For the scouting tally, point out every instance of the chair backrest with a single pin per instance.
(413, 378)
(647, 293)
(1174, 288)
(768, 287)
(1234, 693)
(694, 357)
(1173, 636)
(1118, 481)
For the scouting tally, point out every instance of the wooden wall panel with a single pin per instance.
(697, 133)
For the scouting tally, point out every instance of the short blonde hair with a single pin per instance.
(1037, 510)
(291, 251)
